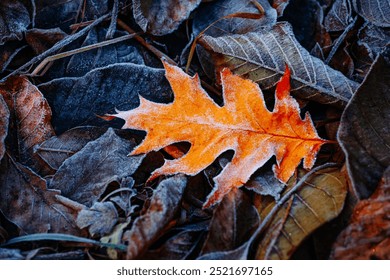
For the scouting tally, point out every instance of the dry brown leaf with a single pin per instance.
(243, 124)
(31, 118)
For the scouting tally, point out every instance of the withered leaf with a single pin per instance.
(30, 119)
(57, 149)
(232, 223)
(368, 234)
(77, 101)
(243, 124)
(178, 247)
(28, 203)
(161, 17)
(375, 39)
(376, 12)
(100, 218)
(4, 121)
(163, 206)
(364, 132)
(319, 200)
(41, 40)
(209, 16)
(85, 176)
(14, 19)
(265, 183)
(339, 16)
(261, 56)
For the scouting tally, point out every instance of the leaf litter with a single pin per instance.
(67, 175)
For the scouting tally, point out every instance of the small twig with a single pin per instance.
(58, 46)
(79, 50)
(114, 16)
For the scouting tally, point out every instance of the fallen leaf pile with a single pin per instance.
(166, 130)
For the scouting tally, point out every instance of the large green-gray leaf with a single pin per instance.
(364, 132)
(375, 11)
(261, 56)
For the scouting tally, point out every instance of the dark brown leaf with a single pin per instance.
(161, 17)
(26, 202)
(4, 120)
(41, 40)
(339, 16)
(368, 235)
(374, 39)
(8, 52)
(85, 176)
(30, 118)
(100, 218)
(375, 11)
(14, 19)
(261, 56)
(364, 132)
(163, 206)
(233, 221)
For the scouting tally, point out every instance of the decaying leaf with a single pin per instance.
(375, 39)
(163, 206)
(319, 200)
(57, 149)
(99, 163)
(28, 203)
(243, 124)
(364, 132)
(375, 11)
(368, 234)
(339, 16)
(160, 17)
(4, 120)
(100, 218)
(14, 19)
(78, 101)
(261, 56)
(41, 40)
(30, 119)
(233, 222)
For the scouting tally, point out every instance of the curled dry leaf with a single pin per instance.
(261, 56)
(28, 203)
(14, 19)
(368, 234)
(374, 11)
(78, 101)
(243, 124)
(85, 176)
(31, 118)
(375, 39)
(163, 206)
(161, 17)
(4, 121)
(364, 132)
(319, 200)
(233, 222)
(100, 218)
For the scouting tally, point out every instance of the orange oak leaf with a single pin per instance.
(243, 124)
